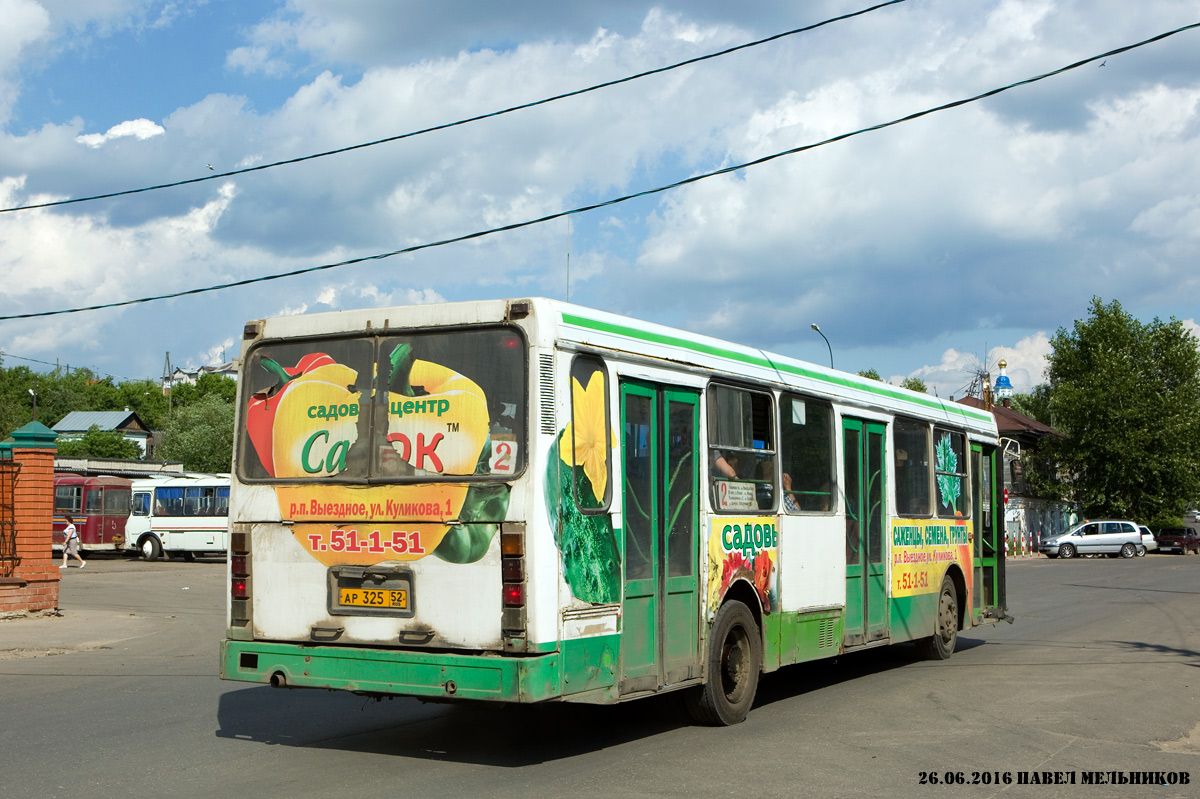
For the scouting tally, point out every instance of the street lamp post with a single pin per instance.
(822, 335)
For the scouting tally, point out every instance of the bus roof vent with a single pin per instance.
(546, 393)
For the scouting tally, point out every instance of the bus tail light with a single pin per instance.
(239, 578)
(514, 596)
(512, 576)
(512, 542)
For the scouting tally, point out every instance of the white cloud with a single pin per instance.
(217, 354)
(1192, 327)
(1007, 213)
(256, 60)
(25, 22)
(1025, 367)
(138, 128)
(1178, 217)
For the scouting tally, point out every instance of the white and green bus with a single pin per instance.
(527, 501)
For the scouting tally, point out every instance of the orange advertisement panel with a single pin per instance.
(357, 524)
(923, 548)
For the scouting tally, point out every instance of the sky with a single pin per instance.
(929, 249)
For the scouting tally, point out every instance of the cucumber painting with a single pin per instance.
(576, 482)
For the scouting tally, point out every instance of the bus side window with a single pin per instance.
(741, 444)
(191, 502)
(806, 454)
(208, 504)
(911, 467)
(590, 416)
(68, 499)
(170, 501)
(950, 468)
(141, 504)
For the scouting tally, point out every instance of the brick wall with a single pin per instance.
(34, 583)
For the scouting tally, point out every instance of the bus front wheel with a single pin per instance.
(733, 663)
(150, 548)
(940, 645)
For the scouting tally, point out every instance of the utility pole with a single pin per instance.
(167, 379)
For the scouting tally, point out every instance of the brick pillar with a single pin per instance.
(34, 583)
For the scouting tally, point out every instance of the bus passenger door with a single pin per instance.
(986, 515)
(866, 616)
(659, 634)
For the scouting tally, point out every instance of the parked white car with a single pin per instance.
(1148, 542)
(1095, 537)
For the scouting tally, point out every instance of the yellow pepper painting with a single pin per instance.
(443, 430)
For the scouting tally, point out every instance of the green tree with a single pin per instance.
(146, 399)
(200, 435)
(16, 398)
(914, 384)
(1127, 395)
(206, 385)
(1035, 404)
(871, 374)
(97, 443)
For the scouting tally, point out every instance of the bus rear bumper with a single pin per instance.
(437, 675)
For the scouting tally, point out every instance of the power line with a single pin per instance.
(444, 126)
(57, 366)
(617, 200)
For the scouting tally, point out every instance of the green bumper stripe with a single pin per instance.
(405, 673)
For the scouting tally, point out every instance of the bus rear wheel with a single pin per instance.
(150, 548)
(940, 645)
(734, 661)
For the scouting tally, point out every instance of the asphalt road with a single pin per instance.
(119, 698)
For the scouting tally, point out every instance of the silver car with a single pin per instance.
(1095, 537)
(1148, 542)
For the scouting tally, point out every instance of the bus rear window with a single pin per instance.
(414, 407)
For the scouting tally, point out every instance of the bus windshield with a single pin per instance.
(446, 405)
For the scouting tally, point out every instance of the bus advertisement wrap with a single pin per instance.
(923, 548)
(744, 548)
(309, 423)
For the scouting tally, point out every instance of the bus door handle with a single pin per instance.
(326, 633)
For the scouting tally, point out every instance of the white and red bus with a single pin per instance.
(99, 507)
(526, 501)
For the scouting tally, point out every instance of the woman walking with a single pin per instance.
(71, 545)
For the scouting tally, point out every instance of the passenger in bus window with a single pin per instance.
(724, 464)
(819, 500)
(789, 501)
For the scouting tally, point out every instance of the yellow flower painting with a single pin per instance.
(588, 433)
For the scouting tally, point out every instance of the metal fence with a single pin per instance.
(9, 469)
